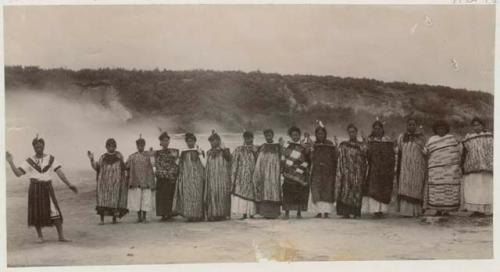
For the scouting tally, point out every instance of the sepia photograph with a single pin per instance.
(160, 134)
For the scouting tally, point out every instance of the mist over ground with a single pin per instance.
(70, 127)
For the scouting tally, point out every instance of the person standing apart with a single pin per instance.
(188, 197)
(167, 171)
(478, 169)
(444, 154)
(411, 170)
(111, 192)
(218, 177)
(266, 177)
(322, 177)
(141, 181)
(43, 208)
(351, 173)
(242, 168)
(381, 158)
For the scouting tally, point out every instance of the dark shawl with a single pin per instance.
(381, 163)
(323, 169)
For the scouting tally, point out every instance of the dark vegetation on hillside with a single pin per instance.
(237, 100)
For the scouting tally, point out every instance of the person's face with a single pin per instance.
(248, 140)
(111, 148)
(477, 126)
(353, 133)
(39, 147)
(295, 136)
(411, 126)
(269, 137)
(140, 146)
(320, 135)
(378, 131)
(165, 142)
(190, 142)
(214, 143)
(441, 131)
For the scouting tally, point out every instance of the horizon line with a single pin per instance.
(244, 72)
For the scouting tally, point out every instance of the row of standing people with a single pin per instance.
(439, 174)
(435, 176)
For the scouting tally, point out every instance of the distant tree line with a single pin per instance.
(255, 100)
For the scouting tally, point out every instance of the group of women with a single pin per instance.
(436, 176)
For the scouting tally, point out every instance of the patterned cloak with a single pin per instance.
(323, 170)
(218, 183)
(140, 170)
(412, 167)
(166, 164)
(295, 167)
(167, 172)
(381, 161)
(242, 168)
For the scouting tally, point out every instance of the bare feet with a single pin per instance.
(477, 214)
(40, 240)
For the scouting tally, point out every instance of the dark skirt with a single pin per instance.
(165, 189)
(40, 214)
(269, 209)
(295, 196)
(346, 210)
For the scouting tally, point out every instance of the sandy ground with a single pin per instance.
(307, 239)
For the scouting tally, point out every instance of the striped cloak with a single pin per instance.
(351, 171)
(188, 198)
(412, 167)
(218, 186)
(242, 168)
(444, 173)
(478, 171)
(266, 176)
(112, 188)
(478, 153)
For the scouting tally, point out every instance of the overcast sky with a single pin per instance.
(445, 45)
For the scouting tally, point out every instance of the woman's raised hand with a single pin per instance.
(9, 157)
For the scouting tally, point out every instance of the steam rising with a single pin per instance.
(71, 126)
